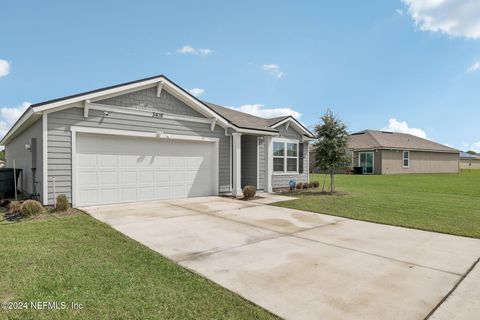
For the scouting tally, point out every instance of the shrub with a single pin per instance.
(305, 185)
(316, 184)
(31, 208)
(249, 192)
(15, 207)
(62, 203)
(299, 186)
(310, 185)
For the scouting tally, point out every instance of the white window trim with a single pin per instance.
(285, 157)
(403, 159)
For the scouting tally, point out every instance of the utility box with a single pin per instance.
(7, 185)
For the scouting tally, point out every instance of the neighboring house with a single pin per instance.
(150, 139)
(382, 152)
(469, 161)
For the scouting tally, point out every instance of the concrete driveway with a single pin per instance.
(303, 265)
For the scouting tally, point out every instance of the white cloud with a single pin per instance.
(193, 51)
(399, 12)
(8, 116)
(259, 110)
(401, 126)
(474, 147)
(474, 67)
(274, 70)
(4, 68)
(196, 92)
(458, 18)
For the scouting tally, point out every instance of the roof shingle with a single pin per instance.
(373, 139)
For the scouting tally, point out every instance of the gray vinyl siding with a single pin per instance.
(289, 133)
(15, 150)
(60, 142)
(249, 161)
(261, 163)
(147, 100)
(281, 180)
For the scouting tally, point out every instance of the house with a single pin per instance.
(150, 139)
(382, 152)
(469, 161)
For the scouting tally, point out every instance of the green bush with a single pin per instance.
(31, 208)
(249, 192)
(62, 203)
(305, 185)
(316, 184)
(310, 185)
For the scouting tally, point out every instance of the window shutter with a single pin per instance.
(300, 158)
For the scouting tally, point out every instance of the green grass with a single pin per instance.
(78, 259)
(448, 203)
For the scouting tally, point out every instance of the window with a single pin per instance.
(406, 159)
(285, 156)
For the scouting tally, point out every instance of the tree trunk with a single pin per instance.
(332, 187)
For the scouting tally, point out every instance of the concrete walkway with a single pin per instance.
(303, 265)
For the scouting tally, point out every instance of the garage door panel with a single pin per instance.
(147, 176)
(128, 177)
(146, 193)
(109, 177)
(128, 161)
(109, 195)
(88, 178)
(88, 196)
(162, 162)
(108, 161)
(87, 160)
(163, 192)
(129, 194)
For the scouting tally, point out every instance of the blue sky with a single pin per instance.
(411, 65)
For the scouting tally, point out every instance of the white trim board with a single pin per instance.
(143, 134)
(298, 126)
(45, 158)
(76, 129)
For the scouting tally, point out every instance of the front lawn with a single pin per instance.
(76, 259)
(448, 203)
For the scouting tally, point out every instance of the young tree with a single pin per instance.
(331, 146)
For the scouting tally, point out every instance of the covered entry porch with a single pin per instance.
(251, 162)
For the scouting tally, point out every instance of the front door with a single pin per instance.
(366, 162)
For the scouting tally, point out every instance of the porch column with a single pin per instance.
(237, 164)
(268, 163)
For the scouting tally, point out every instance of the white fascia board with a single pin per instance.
(166, 84)
(295, 123)
(142, 134)
(258, 132)
(17, 125)
(93, 95)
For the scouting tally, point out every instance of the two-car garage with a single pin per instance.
(121, 168)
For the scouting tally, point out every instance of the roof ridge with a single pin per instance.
(373, 137)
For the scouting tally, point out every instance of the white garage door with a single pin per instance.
(115, 169)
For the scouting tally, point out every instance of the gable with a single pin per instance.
(288, 132)
(147, 100)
